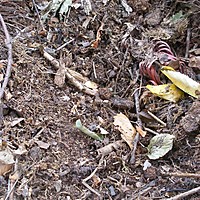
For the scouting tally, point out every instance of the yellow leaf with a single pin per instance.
(182, 81)
(123, 124)
(168, 68)
(166, 91)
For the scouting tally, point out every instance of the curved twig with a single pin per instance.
(9, 65)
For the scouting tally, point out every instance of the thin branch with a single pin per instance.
(74, 77)
(185, 194)
(13, 179)
(177, 174)
(9, 65)
(88, 178)
(151, 131)
(187, 43)
(65, 44)
(36, 9)
(11, 190)
(156, 118)
(137, 137)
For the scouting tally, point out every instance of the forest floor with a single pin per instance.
(97, 43)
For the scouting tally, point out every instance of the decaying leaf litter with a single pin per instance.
(82, 67)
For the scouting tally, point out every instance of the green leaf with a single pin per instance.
(160, 145)
(177, 17)
(87, 131)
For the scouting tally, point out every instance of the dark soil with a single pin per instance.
(58, 156)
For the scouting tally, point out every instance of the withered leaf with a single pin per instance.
(59, 79)
(124, 125)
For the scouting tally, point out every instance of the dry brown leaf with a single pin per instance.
(15, 176)
(3, 145)
(1, 65)
(59, 79)
(195, 62)
(5, 168)
(96, 181)
(6, 161)
(124, 125)
(98, 37)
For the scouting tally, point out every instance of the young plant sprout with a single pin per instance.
(162, 55)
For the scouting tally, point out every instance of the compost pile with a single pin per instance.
(100, 99)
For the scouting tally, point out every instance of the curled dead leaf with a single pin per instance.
(96, 181)
(123, 124)
(5, 168)
(6, 161)
(59, 79)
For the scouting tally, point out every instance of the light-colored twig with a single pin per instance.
(188, 175)
(94, 70)
(74, 77)
(151, 131)
(36, 9)
(88, 178)
(13, 179)
(187, 43)
(11, 190)
(156, 118)
(9, 66)
(65, 44)
(184, 194)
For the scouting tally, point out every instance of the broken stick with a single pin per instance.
(74, 77)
